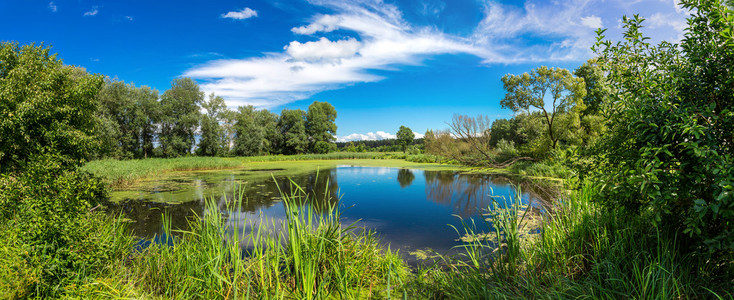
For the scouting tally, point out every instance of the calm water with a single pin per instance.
(409, 209)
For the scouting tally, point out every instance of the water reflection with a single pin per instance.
(405, 177)
(468, 194)
(410, 215)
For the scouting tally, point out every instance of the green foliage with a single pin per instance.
(127, 116)
(598, 90)
(669, 154)
(405, 137)
(179, 117)
(45, 107)
(45, 216)
(564, 91)
(213, 139)
(256, 131)
(581, 251)
(292, 128)
(320, 124)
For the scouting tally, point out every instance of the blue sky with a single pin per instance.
(382, 64)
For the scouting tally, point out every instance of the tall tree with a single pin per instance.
(598, 90)
(321, 126)
(212, 138)
(148, 114)
(292, 128)
(180, 117)
(405, 137)
(45, 107)
(531, 90)
(254, 131)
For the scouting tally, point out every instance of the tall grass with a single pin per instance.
(581, 251)
(121, 172)
(307, 255)
(326, 156)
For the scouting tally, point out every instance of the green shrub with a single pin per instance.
(58, 237)
(669, 155)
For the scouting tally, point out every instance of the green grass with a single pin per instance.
(308, 255)
(582, 252)
(122, 172)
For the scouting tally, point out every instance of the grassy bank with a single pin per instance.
(122, 172)
(126, 172)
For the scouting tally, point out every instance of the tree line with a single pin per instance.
(135, 122)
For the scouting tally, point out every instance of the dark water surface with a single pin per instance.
(409, 209)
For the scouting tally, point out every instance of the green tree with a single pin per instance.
(669, 154)
(180, 117)
(254, 131)
(292, 128)
(321, 126)
(45, 107)
(148, 113)
(597, 88)
(531, 90)
(213, 136)
(405, 137)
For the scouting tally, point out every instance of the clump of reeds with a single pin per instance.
(307, 255)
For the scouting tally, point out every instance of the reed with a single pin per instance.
(307, 255)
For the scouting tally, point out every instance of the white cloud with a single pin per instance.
(592, 22)
(323, 49)
(372, 136)
(92, 12)
(375, 36)
(129, 18)
(676, 22)
(381, 40)
(324, 23)
(245, 13)
(52, 7)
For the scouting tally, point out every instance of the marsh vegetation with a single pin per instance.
(639, 139)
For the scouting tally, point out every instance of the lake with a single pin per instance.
(409, 209)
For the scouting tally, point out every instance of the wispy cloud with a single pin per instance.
(374, 35)
(129, 18)
(245, 13)
(52, 7)
(92, 12)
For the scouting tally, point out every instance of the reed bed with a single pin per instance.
(122, 172)
(307, 255)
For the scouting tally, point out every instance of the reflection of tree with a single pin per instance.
(321, 190)
(468, 194)
(405, 177)
(147, 216)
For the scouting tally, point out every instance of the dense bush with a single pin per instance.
(669, 155)
(45, 107)
(47, 224)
